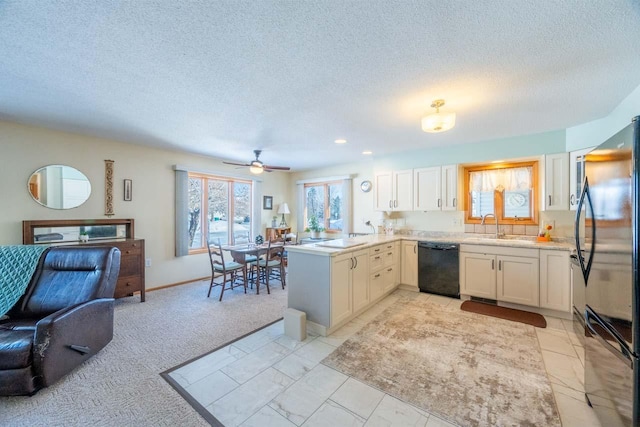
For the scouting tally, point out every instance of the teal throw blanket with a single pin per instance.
(17, 264)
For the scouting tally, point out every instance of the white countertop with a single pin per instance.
(341, 245)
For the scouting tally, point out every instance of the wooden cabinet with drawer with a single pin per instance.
(131, 278)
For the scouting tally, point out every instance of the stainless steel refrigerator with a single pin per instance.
(607, 240)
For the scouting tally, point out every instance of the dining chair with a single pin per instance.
(270, 263)
(227, 270)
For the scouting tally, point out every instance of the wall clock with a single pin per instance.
(365, 186)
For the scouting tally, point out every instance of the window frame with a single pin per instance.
(498, 201)
(327, 205)
(204, 211)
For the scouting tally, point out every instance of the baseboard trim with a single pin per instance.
(171, 285)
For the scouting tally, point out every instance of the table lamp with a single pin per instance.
(283, 209)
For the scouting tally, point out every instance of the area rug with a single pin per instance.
(471, 369)
(527, 317)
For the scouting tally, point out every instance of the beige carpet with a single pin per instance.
(468, 368)
(121, 385)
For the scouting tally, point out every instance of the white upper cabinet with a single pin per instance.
(576, 176)
(435, 188)
(556, 185)
(393, 191)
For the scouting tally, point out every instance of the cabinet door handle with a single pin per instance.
(439, 202)
(415, 249)
(351, 259)
(572, 199)
(455, 202)
(550, 200)
(390, 203)
(395, 203)
(499, 265)
(493, 264)
(356, 260)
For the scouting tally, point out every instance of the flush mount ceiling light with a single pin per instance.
(438, 122)
(340, 141)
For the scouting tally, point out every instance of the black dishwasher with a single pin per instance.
(438, 268)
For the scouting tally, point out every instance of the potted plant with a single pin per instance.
(84, 236)
(314, 227)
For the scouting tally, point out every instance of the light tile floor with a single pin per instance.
(267, 379)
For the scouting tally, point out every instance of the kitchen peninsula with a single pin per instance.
(336, 280)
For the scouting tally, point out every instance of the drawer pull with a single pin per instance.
(128, 252)
(377, 275)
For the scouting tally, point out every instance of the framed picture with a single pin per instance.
(267, 202)
(128, 189)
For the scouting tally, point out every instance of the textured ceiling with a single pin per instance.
(222, 78)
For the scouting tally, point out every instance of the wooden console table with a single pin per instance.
(132, 258)
(277, 232)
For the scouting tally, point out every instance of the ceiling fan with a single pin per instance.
(257, 167)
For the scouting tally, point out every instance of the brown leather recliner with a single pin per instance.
(64, 318)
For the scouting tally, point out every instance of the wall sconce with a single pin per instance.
(438, 122)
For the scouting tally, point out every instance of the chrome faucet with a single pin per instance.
(484, 217)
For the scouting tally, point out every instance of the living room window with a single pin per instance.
(324, 201)
(507, 190)
(219, 210)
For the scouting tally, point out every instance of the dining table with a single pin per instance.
(249, 252)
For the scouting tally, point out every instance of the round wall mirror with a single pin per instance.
(59, 187)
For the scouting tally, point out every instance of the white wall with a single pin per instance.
(594, 133)
(24, 149)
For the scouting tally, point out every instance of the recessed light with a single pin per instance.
(367, 152)
(340, 141)
(497, 161)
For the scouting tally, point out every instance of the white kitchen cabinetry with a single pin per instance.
(349, 284)
(556, 182)
(478, 275)
(383, 268)
(500, 273)
(435, 188)
(409, 270)
(517, 280)
(555, 280)
(393, 191)
(576, 175)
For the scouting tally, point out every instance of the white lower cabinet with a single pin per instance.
(409, 258)
(341, 302)
(500, 273)
(517, 280)
(349, 284)
(555, 280)
(360, 280)
(478, 275)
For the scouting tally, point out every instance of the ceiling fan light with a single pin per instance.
(257, 170)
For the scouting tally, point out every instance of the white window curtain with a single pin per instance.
(346, 206)
(182, 213)
(300, 208)
(256, 215)
(510, 179)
